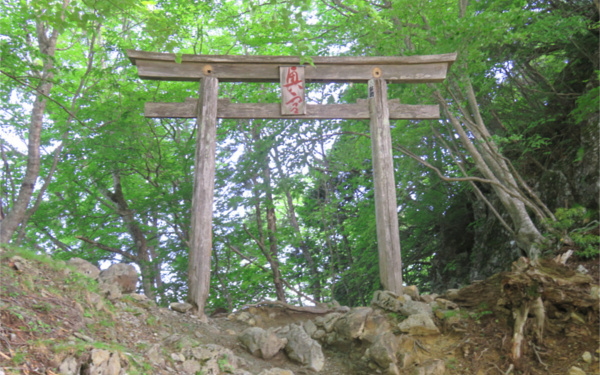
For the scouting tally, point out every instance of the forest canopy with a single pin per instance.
(510, 169)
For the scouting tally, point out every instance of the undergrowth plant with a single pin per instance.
(577, 225)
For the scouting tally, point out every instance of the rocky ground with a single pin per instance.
(70, 319)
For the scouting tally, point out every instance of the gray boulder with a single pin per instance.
(302, 348)
(181, 307)
(351, 325)
(261, 343)
(419, 324)
(123, 275)
(84, 267)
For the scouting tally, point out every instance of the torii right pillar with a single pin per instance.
(386, 206)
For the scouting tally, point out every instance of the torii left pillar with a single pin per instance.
(203, 195)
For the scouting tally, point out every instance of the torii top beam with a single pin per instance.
(231, 68)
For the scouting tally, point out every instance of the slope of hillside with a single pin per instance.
(57, 321)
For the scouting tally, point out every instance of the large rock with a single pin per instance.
(104, 362)
(403, 304)
(383, 351)
(327, 321)
(123, 275)
(261, 343)
(84, 267)
(351, 325)
(387, 300)
(415, 307)
(419, 324)
(376, 324)
(302, 348)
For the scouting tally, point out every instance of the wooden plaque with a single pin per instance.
(293, 102)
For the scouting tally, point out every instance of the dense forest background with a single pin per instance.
(510, 169)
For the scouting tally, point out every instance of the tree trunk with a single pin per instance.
(315, 285)
(492, 166)
(272, 234)
(271, 252)
(137, 235)
(47, 45)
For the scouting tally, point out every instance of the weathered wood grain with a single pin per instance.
(136, 56)
(357, 111)
(386, 206)
(227, 72)
(203, 194)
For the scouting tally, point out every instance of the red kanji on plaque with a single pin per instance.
(292, 90)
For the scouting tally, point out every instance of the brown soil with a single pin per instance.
(48, 313)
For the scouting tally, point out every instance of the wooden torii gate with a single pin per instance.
(210, 69)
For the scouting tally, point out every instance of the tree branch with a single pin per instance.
(108, 248)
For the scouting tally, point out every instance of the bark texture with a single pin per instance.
(47, 40)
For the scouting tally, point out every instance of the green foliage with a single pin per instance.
(532, 67)
(577, 224)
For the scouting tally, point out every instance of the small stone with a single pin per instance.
(310, 327)
(431, 367)
(181, 307)
(230, 332)
(412, 291)
(319, 334)
(575, 371)
(154, 355)
(427, 298)
(177, 357)
(69, 366)
(244, 316)
(587, 357)
(582, 269)
(83, 337)
(446, 304)
(191, 367)
(276, 371)
(451, 294)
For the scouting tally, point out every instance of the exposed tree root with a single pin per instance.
(527, 293)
